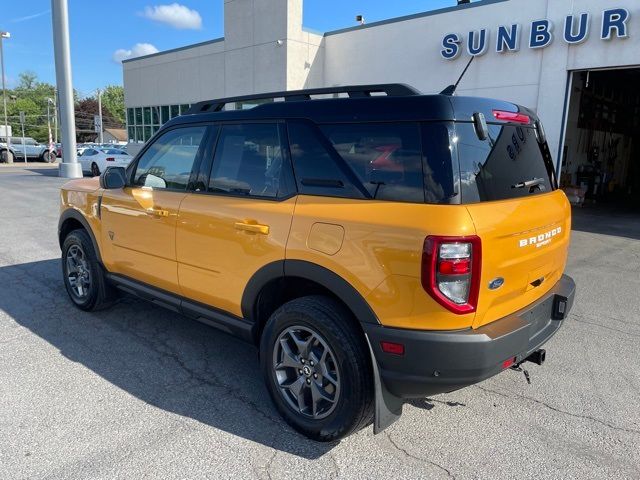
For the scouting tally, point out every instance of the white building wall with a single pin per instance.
(265, 48)
(409, 52)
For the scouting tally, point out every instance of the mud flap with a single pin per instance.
(388, 407)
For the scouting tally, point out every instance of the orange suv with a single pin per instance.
(376, 244)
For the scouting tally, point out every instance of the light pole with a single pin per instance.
(100, 114)
(4, 35)
(69, 167)
(50, 102)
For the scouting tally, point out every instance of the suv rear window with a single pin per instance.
(495, 169)
(401, 162)
(386, 158)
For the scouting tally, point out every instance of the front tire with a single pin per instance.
(7, 156)
(83, 276)
(95, 170)
(317, 368)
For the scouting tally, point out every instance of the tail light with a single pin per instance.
(111, 159)
(451, 268)
(512, 117)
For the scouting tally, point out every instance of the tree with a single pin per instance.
(113, 102)
(85, 112)
(27, 81)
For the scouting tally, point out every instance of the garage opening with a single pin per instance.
(601, 155)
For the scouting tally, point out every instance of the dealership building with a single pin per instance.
(577, 64)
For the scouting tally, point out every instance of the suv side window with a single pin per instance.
(386, 157)
(249, 160)
(317, 171)
(168, 162)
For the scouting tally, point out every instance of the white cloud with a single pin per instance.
(138, 50)
(176, 15)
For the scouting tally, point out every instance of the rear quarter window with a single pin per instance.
(492, 169)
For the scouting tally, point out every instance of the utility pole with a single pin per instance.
(100, 115)
(4, 97)
(69, 167)
(49, 102)
(55, 116)
(24, 149)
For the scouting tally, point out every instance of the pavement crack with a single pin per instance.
(579, 319)
(422, 460)
(559, 410)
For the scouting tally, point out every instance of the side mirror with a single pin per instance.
(480, 126)
(113, 178)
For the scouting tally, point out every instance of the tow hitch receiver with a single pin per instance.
(538, 357)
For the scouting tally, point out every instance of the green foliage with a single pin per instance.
(30, 96)
(113, 102)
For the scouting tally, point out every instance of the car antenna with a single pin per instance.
(451, 89)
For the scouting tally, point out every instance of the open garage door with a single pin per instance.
(601, 155)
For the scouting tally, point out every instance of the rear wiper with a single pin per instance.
(530, 184)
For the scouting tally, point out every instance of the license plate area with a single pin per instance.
(539, 316)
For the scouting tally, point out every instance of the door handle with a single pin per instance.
(157, 212)
(252, 227)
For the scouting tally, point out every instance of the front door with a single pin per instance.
(241, 222)
(139, 221)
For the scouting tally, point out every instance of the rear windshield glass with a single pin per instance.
(509, 164)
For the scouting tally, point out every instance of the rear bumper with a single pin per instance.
(443, 361)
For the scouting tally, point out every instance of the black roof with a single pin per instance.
(401, 103)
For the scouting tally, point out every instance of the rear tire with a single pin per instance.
(317, 368)
(83, 275)
(95, 171)
(48, 157)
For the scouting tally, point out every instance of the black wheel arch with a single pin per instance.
(72, 219)
(283, 280)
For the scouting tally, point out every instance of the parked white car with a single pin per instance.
(96, 160)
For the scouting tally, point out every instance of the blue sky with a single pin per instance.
(100, 28)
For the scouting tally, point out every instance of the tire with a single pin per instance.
(48, 157)
(6, 156)
(79, 259)
(344, 375)
(95, 171)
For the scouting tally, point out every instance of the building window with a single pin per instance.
(175, 111)
(155, 115)
(138, 116)
(165, 113)
(184, 107)
(130, 116)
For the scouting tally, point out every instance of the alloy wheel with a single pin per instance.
(306, 372)
(78, 272)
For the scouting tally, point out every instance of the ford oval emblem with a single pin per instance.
(496, 283)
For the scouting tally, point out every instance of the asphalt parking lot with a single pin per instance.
(140, 392)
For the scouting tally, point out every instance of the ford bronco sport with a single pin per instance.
(376, 245)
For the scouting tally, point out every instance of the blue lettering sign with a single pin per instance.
(479, 46)
(615, 19)
(450, 46)
(615, 24)
(508, 39)
(541, 35)
(570, 35)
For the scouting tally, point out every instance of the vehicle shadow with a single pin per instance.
(606, 220)
(46, 172)
(158, 356)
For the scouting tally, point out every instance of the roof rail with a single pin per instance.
(354, 91)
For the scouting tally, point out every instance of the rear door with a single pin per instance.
(524, 222)
(237, 220)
